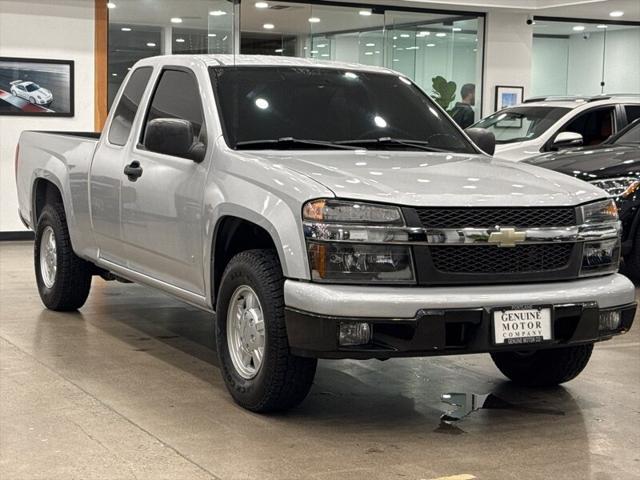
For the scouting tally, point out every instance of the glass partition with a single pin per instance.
(580, 58)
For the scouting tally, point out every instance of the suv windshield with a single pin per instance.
(32, 87)
(323, 108)
(519, 124)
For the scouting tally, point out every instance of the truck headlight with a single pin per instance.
(601, 255)
(618, 187)
(353, 242)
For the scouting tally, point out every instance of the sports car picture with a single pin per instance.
(32, 92)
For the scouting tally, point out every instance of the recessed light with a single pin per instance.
(365, 13)
(176, 20)
(324, 55)
(370, 45)
(111, 5)
(368, 53)
(217, 13)
(413, 48)
(441, 34)
(261, 5)
(313, 52)
(616, 13)
(578, 28)
(314, 20)
(261, 103)
(180, 40)
(211, 35)
(322, 45)
(456, 29)
(268, 26)
(279, 50)
(125, 29)
(405, 35)
(151, 44)
(431, 45)
(601, 26)
(423, 34)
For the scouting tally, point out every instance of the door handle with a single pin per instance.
(133, 171)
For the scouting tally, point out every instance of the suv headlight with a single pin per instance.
(602, 255)
(618, 187)
(354, 242)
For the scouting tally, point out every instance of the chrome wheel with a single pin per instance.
(245, 332)
(48, 257)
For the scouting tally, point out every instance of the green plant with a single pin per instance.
(444, 92)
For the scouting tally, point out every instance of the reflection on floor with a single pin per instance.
(129, 388)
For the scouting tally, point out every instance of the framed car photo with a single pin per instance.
(36, 87)
(508, 96)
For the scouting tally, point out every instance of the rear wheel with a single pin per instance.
(251, 337)
(543, 368)
(63, 279)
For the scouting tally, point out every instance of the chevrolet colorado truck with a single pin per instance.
(323, 210)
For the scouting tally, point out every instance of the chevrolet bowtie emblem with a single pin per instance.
(506, 237)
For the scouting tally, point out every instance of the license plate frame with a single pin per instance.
(547, 330)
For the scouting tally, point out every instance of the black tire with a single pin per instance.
(283, 380)
(632, 260)
(543, 368)
(72, 280)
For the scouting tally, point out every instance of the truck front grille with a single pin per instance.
(527, 217)
(491, 260)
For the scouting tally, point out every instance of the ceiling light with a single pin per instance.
(379, 121)
(125, 29)
(279, 50)
(405, 35)
(616, 13)
(176, 20)
(217, 13)
(365, 13)
(370, 45)
(180, 40)
(324, 55)
(601, 26)
(314, 20)
(368, 53)
(313, 52)
(578, 28)
(211, 35)
(114, 74)
(261, 103)
(413, 48)
(441, 34)
(423, 34)
(456, 29)
(322, 45)
(431, 45)
(261, 5)
(111, 5)
(268, 26)
(151, 44)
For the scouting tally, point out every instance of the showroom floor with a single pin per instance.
(129, 388)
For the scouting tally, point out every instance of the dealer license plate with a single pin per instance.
(512, 326)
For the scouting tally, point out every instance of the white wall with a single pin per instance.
(507, 55)
(54, 29)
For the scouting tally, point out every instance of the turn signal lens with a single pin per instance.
(342, 211)
(604, 211)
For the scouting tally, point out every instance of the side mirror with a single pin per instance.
(483, 138)
(170, 136)
(567, 140)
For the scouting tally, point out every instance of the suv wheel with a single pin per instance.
(543, 368)
(251, 336)
(63, 278)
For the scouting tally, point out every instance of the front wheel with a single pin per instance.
(251, 337)
(543, 368)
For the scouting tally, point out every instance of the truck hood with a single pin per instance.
(433, 179)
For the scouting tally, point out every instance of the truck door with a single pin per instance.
(162, 193)
(106, 169)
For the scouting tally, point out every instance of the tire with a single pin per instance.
(543, 368)
(67, 287)
(280, 380)
(632, 260)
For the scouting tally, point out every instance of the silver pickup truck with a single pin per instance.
(323, 210)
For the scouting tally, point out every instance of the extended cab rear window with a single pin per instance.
(128, 106)
(268, 103)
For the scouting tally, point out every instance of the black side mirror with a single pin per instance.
(483, 138)
(170, 136)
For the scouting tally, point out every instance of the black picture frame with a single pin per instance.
(64, 70)
(507, 89)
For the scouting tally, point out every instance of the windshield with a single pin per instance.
(629, 135)
(32, 87)
(300, 107)
(519, 124)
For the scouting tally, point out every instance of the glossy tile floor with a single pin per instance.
(129, 388)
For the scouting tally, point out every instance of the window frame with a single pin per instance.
(548, 146)
(139, 144)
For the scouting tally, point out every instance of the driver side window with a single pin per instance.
(594, 125)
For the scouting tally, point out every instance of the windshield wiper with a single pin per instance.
(290, 142)
(382, 141)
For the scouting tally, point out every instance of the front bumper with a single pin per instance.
(445, 320)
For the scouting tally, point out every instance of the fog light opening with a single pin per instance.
(354, 333)
(610, 320)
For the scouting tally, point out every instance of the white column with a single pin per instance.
(508, 50)
(167, 40)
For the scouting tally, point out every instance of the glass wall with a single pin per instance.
(578, 58)
(424, 46)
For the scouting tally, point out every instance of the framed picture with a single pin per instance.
(36, 87)
(508, 96)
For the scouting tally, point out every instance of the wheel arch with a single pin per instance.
(44, 191)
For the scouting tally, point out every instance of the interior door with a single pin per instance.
(162, 217)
